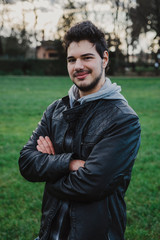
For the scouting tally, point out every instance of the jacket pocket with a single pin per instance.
(88, 143)
(86, 149)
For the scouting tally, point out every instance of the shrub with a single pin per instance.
(33, 67)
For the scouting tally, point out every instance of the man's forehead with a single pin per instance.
(81, 47)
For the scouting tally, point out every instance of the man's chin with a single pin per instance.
(84, 87)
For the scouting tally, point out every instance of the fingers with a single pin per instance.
(50, 144)
(76, 164)
(45, 145)
(40, 146)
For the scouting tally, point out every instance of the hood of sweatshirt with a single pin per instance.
(109, 90)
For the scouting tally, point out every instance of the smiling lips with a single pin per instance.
(81, 75)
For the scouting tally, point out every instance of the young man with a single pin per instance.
(84, 148)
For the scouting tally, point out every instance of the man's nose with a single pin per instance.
(78, 64)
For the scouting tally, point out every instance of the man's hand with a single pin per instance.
(76, 164)
(45, 145)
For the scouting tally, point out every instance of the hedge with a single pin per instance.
(37, 67)
(32, 67)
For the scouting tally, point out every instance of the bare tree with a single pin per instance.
(146, 18)
(73, 11)
(1, 27)
(5, 19)
(35, 22)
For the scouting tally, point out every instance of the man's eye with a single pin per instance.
(71, 60)
(87, 58)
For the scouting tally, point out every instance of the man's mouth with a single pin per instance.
(81, 75)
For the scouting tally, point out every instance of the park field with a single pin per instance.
(22, 103)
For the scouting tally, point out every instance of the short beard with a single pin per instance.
(92, 85)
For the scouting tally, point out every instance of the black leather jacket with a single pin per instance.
(106, 134)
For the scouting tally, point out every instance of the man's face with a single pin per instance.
(85, 67)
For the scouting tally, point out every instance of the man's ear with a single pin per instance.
(105, 59)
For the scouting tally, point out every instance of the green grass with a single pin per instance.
(22, 102)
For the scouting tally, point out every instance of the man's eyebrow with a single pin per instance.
(87, 54)
(70, 57)
(83, 55)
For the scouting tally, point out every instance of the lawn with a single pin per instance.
(22, 102)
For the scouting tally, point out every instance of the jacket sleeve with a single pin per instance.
(38, 167)
(109, 163)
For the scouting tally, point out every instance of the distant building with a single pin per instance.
(47, 50)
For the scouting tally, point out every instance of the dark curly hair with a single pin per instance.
(86, 30)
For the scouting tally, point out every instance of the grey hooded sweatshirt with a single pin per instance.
(109, 90)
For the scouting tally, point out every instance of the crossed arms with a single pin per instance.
(45, 145)
(109, 162)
